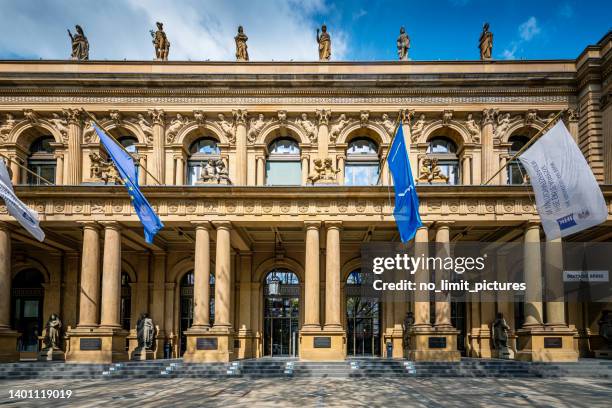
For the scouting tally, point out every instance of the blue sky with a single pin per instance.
(285, 29)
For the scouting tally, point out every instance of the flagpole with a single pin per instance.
(398, 123)
(136, 163)
(26, 169)
(531, 141)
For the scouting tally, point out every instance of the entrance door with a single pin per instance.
(362, 318)
(27, 318)
(281, 315)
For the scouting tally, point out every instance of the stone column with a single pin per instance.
(59, 169)
(180, 170)
(261, 170)
(111, 276)
(201, 285)
(305, 169)
(533, 276)
(332, 276)
(159, 144)
(142, 174)
(466, 170)
(240, 119)
(311, 262)
(442, 304)
(245, 333)
(421, 303)
(555, 309)
(5, 277)
(75, 134)
(323, 132)
(90, 277)
(341, 166)
(15, 170)
(223, 276)
(8, 337)
(489, 116)
(503, 176)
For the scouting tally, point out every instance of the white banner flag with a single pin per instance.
(27, 217)
(567, 195)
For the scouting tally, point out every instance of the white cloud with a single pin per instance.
(509, 53)
(529, 29)
(197, 29)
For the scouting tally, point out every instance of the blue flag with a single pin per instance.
(406, 210)
(129, 174)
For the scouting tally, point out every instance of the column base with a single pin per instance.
(209, 345)
(483, 342)
(546, 344)
(141, 354)
(244, 339)
(322, 345)
(51, 355)
(96, 345)
(433, 344)
(8, 346)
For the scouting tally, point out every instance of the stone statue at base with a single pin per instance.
(145, 332)
(406, 326)
(605, 327)
(214, 171)
(52, 340)
(500, 336)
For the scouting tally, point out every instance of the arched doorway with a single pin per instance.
(362, 319)
(281, 314)
(27, 308)
(186, 307)
(126, 302)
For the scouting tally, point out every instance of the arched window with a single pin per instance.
(283, 167)
(129, 143)
(281, 314)
(445, 152)
(126, 301)
(516, 171)
(202, 149)
(42, 160)
(27, 307)
(362, 163)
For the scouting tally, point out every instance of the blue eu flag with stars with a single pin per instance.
(129, 174)
(406, 210)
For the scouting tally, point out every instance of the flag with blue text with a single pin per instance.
(129, 174)
(27, 217)
(567, 195)
(406, 210)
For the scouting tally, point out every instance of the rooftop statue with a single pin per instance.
(80, 45)
(486, 43)
(403, 45)
(324, 41)
(161, 43)
(241, 45)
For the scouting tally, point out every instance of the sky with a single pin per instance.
(284, 30)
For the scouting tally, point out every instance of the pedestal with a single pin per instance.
(51, 355)
(322, 345)
(484, 342)
(8, 346)
(96, 346)
(433, 344)
(547, 344)
(141, 354)
(397, 342)
(605, 354)
(209, 345)
(244, 339)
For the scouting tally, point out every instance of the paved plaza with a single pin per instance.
(321, 392)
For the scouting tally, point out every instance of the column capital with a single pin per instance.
(89, 225)
(4, 226)
(334, 224)
(443, 224)
(114, 225)
(170, 285)
(245, 254)
(223, 225)
(312, 225)
(530, 224)
(201, 225)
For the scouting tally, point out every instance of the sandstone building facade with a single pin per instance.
(274, 126)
